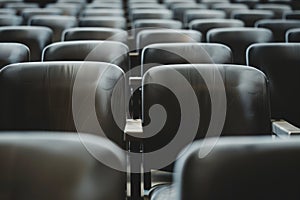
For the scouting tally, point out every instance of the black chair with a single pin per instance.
(70, 9)
(151, 14)
(98, 51)
(292, 15)
(239, 39)
(102, 12)
(278, 9)
(180, 9)
(191, 15)
(30, 12)
(97, 33)
(36, 38)
(10, 20)
(102, 21)
(20, 6)
(250, 17)
(184, 53)
(57, 24)
(293, 35)
(280, 63)
(7, 11)
(229, 7)
(47, 165)
(147, 37)
(278, 27)
(237, 168)
(13, 53)
(204, 25)
(63, 96)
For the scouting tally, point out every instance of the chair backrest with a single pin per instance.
(70, 9)
(36, 38)
(292, 15)
(89, 50)
(30, 12)
(280, 63)
(278, 9)
(191, 15)
(13, 53)
(180, 9)
(10, 20)
(57, 24)
(47, 165)
(102, 21)
(204, 25)
(147, 37)
(239, 39)
(102, 12)
(246, 102)
(229, 7)
(278, 27)
(293, 35)
(53, 96)
(250, 17)
(184, 53)
(240, 168)
(151, 14)
(96, 33)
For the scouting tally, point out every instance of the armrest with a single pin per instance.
(284, 129)
(133, 130)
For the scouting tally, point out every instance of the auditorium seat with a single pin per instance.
(109, 5)
(250, 17)
(184, 53)
(201, 100)
(239, 39)
(86, 33)
(57, 24)
(191, 15)
(280, 63)
(63, 96)
(102, 12)
(36, 38)
(147, 37)
(20, 6)
(10, 20)
(7, 11)
(13, 53)
(30, 12)
(292, 15)
(180, 9)
(237, 168)
(71, 9)
(88, 50)
(151, 14)
(204, 25)
(278, 27)
(47, 165)
(229, 7)
(293, 35)
(278, 9)
(103, 21)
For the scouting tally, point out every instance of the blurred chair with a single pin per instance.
(250, 17)
(13, 53)
(103, 21)
(293, 35)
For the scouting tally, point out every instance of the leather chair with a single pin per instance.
(151, 14)
(147, 37)
(102, 12)
(292, 15)
(239, 39)
(278, 27)
(89, 50)
(250, 17)
(184, 53)
(7, 11)
(97, 33)
(36, 38)
(20, 6)
(69, 9)
(10, 20)
(278, 9)
(47, 165)
(13, 53)
(54, 96)
(180, 9)
(191, 15)
(109, 5)
(57, 24)
(109, 22)
(280, 63)
(237, 168)
(30, 12)
(293, 35)
(204, 25)
(229, 7)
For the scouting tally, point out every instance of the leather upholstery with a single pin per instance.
(292, 15)
(239, 39)
(278, 9)
(278, 27)
(191, 15)
(10, 20)
(20, 6)
(57, 24)
(293, 35)
(180, 9)
(13, 53)
(147, 37)
(204, 25)
(42, 96)
(102, 12)
(99, 51)
(250, 17)
(7, 11)
(184, 53)
(229, 7)
(30, 12)
(70, 9)
(280, 63)
(95, 34)
(151, 14)
(109, 22)
(247, 111)
(36, 38)
(240, 168)
(48, 166)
